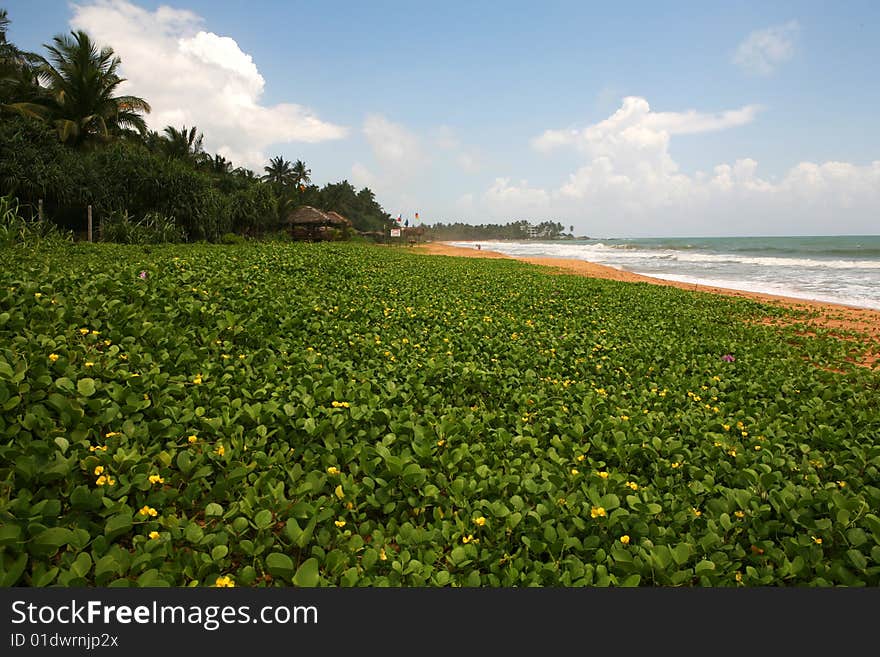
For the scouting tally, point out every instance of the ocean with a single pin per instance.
(836, 269)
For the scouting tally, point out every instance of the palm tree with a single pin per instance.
(183, 144)
(218, 164)
(18, 77)
(301, 175)
(279, 172)
(81, 82)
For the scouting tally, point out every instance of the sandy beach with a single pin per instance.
(861, 325)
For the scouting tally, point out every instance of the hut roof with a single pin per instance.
(338, 218)
(306, 214)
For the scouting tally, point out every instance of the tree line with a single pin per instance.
(69, 140)
(515, 230)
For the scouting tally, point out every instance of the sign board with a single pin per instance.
(395, 232)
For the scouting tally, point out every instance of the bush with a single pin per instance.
(15, 229)
(232, 238)
(153, 228)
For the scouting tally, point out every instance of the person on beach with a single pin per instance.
(478, 247)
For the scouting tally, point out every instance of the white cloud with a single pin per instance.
(635, 122)
(395, 147)
(629, 184)
(195, 77)
(763, 51)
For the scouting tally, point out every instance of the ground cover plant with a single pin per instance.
(346, 415)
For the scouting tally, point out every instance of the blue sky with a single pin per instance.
(644, 119)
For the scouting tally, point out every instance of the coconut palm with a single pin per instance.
(301, 175)
(279, 172)
(81, 83)
(18, 77)
(183, 144)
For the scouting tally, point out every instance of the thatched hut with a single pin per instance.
(308, 223)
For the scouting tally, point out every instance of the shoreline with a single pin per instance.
(836, 317)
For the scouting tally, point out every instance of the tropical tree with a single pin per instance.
(217, 164)
(81, 83)
(279, 172)
(301, 175)
(183, 144)
(18, 77)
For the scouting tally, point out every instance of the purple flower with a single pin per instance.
(728, 358)
(143, 274)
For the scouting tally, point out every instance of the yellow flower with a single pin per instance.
(624, 539)
(726, 427)
(624, 417)
(101, 481)
(99, 470)
(37, 295)
(739, 577)
(842, 484)
(148, 511)
(340, 523)
(633, 485)
(382, 555)
(580, 458)
(757, 448)
(740, 425)
(602, 475)
(479, 522)
(84, 331)
(53, 357)
(339, 404)
(221, 450)
(739, 514)
(696, 511)
(574, 471)
(96, 333)
(339, 492)
(467, 539)
(597, 512)
(332, 470)
(154, 535)
(192, 439)
(732, 452)
(817, 541)
(110, 434)
(441, 442)
(224, 582)
(745, 433)
(675, 465)
(156, 479)
(88, 363)
(197, 379)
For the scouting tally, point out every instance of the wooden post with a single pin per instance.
(40, 210)
(90, 223)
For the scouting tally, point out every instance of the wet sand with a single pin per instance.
(861, 325)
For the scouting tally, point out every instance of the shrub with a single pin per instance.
(153, 228)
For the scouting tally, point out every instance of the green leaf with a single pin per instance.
(218, 552)
(704, 566)
(86, 387)
(118, 525)
(307, 574)
(213, 510)
(263, 519)
(280, 565)
(50, 540)
(9, 535)
(632, 580)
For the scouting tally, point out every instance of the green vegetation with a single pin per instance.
(338, 414)
(515, 230)
(67, 140)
